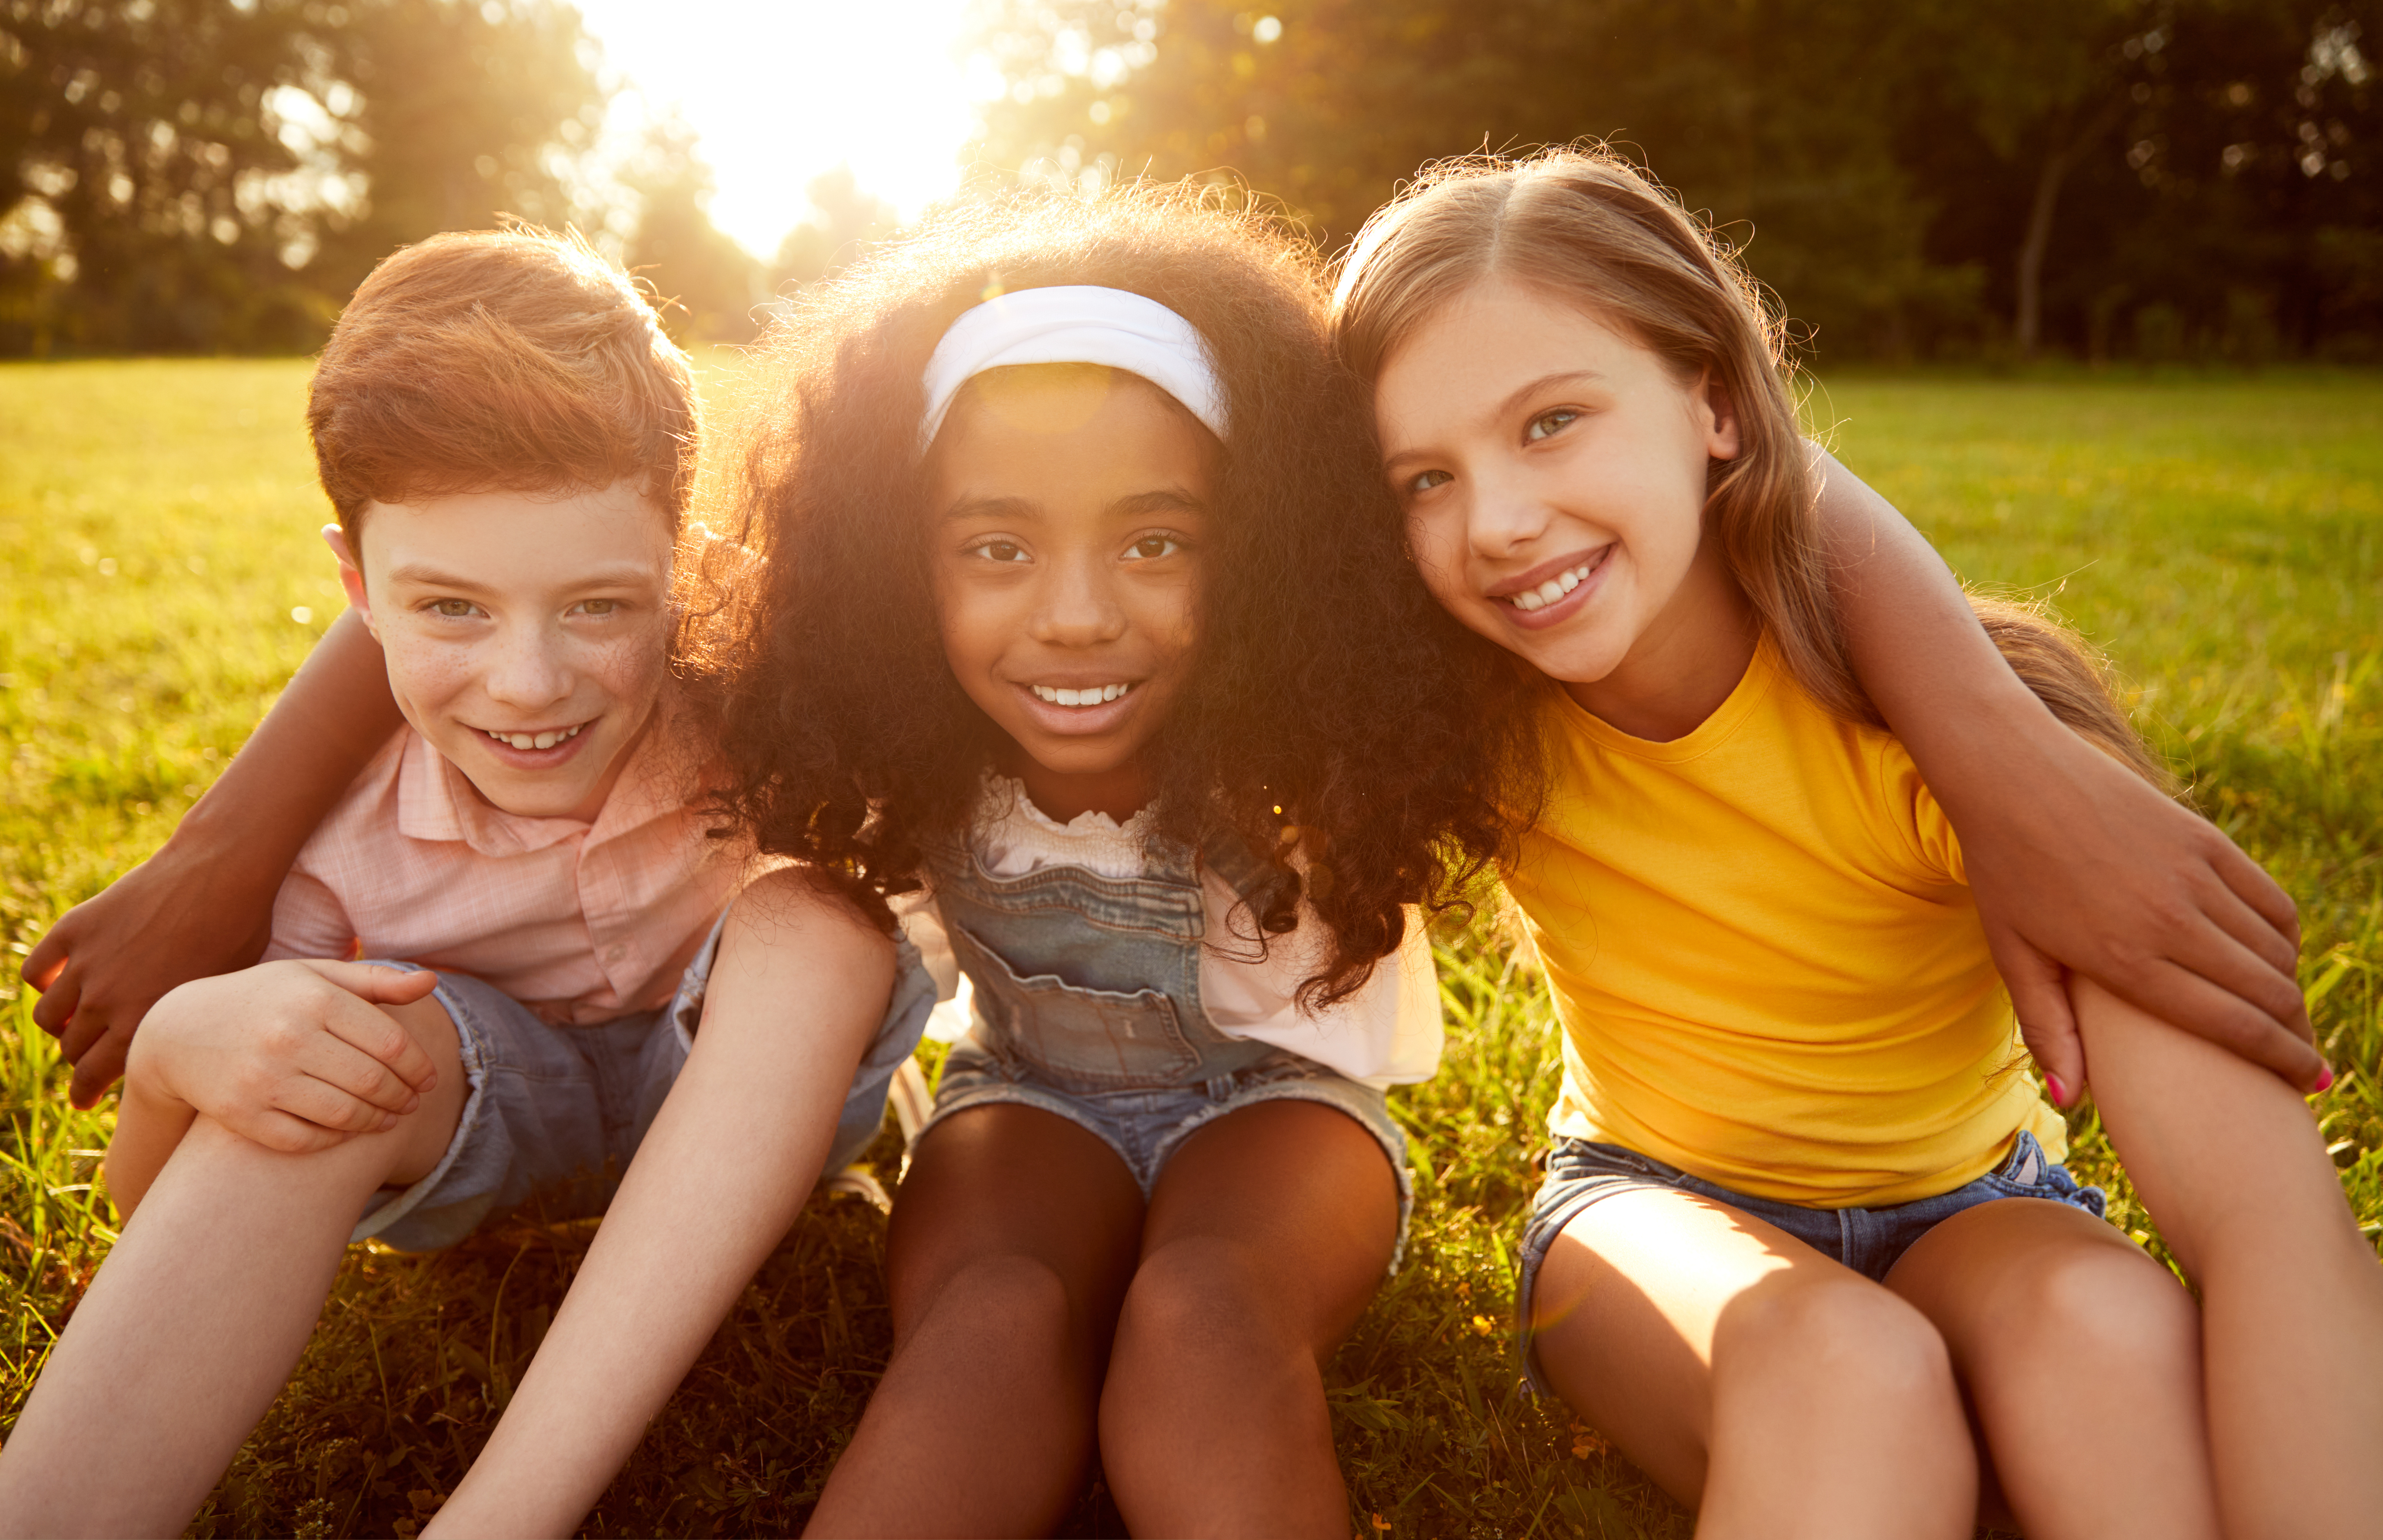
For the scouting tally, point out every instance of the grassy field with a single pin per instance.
(2223, 538)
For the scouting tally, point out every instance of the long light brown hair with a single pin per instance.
(1588, 228)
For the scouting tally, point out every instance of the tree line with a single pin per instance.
(2158, 179)
(2151, 179)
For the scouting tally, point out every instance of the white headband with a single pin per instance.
(1075, 324)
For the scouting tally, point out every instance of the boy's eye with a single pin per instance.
(999, 551)
(1548, 422)
(597, 607)
(453, 609)
(1150, 548)
(1425, 481)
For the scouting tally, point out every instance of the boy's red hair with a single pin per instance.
(511, 360)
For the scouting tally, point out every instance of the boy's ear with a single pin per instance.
(351, 574)
(1722, 441)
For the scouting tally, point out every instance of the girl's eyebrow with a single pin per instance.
(1512, 404)
(1016, 508)
(1166, 500)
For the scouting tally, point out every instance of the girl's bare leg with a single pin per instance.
(2083, 1359)
(199, 1313)
(2230, 1163)
(1268, 1232)
(1775, 1390)
(1010, 1246)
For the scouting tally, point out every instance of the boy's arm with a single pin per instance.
(714, 1186)
(2075, 862)
(202, 905)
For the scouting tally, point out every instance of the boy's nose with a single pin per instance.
(527, 669)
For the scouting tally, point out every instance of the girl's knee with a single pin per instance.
(2107, 1307)
(1843, 1332)
(1201, 1295)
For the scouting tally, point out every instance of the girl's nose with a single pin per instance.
(1504, 514)
(1079, 605)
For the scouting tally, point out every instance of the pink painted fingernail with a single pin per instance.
(2059, 1089)
(2325, 1079)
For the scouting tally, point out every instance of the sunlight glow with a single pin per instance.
(780, 90)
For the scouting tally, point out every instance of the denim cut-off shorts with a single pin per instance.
(1146, 1127)
(555, 1113)
(1870, 1241)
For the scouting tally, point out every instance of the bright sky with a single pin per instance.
(783, 89)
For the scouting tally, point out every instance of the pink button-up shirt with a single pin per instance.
(583, 922)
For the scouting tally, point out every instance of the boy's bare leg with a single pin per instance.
(1776, 1391)
(1011, 1244)
(1270, 1230)
(2229, 1161)
(2032, 1294)
(199, 1313)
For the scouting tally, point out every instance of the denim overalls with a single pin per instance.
(1086, 996)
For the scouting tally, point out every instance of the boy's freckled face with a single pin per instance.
(1066, 522)
(1553, 471)
(527, 636)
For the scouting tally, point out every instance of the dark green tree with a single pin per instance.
(714, 288)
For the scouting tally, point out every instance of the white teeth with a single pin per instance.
(538, 740)
(1551, 590)
(1093, 696)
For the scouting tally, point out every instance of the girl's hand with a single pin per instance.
(203, 904)
(296, 1056)
(180, 915)
(2080, 866)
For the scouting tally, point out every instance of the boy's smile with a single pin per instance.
(527, 636)
(1067, 518)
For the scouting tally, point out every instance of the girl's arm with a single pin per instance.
(714, 1186)
(202, 905)
(2077, 863)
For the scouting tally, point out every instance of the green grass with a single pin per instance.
(2223, 539)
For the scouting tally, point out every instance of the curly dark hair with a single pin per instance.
(1337, 712)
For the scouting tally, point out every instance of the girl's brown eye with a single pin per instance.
(1152, 546)
(1000, 550)
(1428, 480)
(1548, 422)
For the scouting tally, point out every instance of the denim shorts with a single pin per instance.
(1870, 1241)
(1146, 1127)
(555, 1112)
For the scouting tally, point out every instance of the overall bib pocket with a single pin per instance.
(1088, 1038)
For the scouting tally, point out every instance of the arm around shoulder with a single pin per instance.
(2077, 862)
(202, 905)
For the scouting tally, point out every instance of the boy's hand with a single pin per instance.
(2092, 871)
(294, 1056)
(101, 969)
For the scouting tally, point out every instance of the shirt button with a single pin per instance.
(615, 954)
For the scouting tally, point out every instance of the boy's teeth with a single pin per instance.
(1093, 696)
(538, 740)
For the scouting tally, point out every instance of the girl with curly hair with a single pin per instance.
(1079, 611)
(1804, 1222)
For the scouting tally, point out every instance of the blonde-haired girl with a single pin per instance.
(1803, 1215)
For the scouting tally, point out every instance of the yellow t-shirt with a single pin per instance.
(1768, 966)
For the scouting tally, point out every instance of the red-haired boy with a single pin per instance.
(566, 973)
